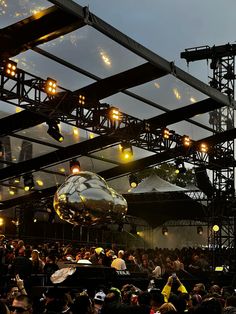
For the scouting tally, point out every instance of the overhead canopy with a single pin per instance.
(154, 183)
(92, 59)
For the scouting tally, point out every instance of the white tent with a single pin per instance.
(153, 183)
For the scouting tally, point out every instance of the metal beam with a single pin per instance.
(137, 48)
(37, 29)
(123, 169)
(130, 131)
(97, 78)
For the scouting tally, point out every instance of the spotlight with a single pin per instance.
(74, 166)
(1, 221)
(126, 149)
(165, 231)
(186, 141)
(180, 168)
(54, 132)
(199, 230)
(114, 114)
(166, 133)
(28, 182)
(82, 99)
(50, 86)
(133, 181)
(215, 228)
(12, 190)
(203, 148)
(10, 68)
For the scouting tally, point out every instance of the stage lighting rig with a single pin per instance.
(54, 132)
(165, 231)
(126, 149)
(10, 68)
(50, 86)
(28, 182)
(74, 166)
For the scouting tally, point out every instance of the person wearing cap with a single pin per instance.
(119, 263)
(98, 301)
(97, 257)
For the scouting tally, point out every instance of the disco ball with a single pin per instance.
(86, 199)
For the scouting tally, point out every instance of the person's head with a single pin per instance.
(22, 304)
(99, 251)
(199, 288)
(121, 254)
(87, 255)
(209, 305)
(157, 298)
(12, 293)
(50, 259)
(99, 297)
(167, 308)
(35, 255)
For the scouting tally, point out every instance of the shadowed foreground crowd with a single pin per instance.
(19, 261)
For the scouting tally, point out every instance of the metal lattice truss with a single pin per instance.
(26, 91)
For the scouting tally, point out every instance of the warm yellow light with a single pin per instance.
(176, 93)
(18, 109)
(115, 114)
(127, 155)
(81, 99)
(50, 86)
(166, 133)
(91, 135)
(203, 148)
(10, 68)
(157, 85)
(215, 228)
(177, 171)
(75, 131)
(39, 182)
(192, 99)
(105, 58)
(35, 220)
(133, 184)
(1, 221)
(11, 192)
(186, 141)
(62, 169)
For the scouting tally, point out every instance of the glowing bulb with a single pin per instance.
(215, 228)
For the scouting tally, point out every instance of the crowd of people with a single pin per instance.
(19, 261)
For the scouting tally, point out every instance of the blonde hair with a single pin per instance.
(166, 307)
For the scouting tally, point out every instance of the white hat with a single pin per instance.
(100, 296)
(121, 252)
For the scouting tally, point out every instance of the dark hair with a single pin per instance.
(211, 305)
(3, 308)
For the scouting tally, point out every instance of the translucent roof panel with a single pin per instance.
(93, 51)
(13, 11)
